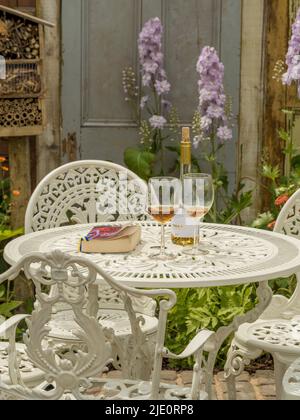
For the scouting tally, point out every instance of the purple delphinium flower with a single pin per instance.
(293, 56)
(157, 121)
(151, 57)
(224, 133)
(162, 87)
(212, 98)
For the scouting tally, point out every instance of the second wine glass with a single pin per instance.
(198, 201)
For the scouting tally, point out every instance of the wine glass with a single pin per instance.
(165, 196)
(197, 202)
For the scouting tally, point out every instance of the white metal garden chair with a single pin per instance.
(277, 331)
(74, 193)
(291, 382)
(72, 373)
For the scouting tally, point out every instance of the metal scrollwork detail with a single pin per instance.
(86, 194)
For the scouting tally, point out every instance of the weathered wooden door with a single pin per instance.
(100, 39)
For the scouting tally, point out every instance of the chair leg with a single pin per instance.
(231, 386)
(197, 376)
(280, 369)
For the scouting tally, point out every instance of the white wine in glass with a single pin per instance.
(198, 200)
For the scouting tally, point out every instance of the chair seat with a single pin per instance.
(31, 376)
(291, 382)
(63, 326)
(273, 336)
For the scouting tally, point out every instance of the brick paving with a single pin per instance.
(260, 386)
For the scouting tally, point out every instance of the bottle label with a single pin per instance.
(183, 227)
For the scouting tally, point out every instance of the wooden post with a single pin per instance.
(275, 98)
(49, 143)
(19, 159)
(251, 104)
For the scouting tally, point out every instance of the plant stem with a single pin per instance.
(214, 175)
(162, 155)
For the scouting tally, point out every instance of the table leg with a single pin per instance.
(235, 366)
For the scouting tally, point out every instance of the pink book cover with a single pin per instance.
(104, 232)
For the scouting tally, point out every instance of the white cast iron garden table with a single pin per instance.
(237, 256)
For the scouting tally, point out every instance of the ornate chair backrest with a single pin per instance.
(70, 371)
(288, 223)
(86, 192)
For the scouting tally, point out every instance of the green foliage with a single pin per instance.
(263, 220)
(280, 186)
(177, 149)
(6, 235)
(5, 202)
(140, 162)
(206, 308)
(234, 206)
(7, 308)
(7, 304)
(270, 172)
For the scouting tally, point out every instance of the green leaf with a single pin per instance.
(263, 220)
(10, 234)
(140, 162)
(296, 162)
(284, 135)
(6, 309)
(177, 149)
(270, 172)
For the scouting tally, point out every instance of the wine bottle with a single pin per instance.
(183, 226)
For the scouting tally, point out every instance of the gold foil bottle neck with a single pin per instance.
(186, 147)
(186, 135)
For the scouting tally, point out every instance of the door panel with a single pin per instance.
(106, 46)
(100, 39)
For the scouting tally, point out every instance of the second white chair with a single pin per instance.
(276, 331)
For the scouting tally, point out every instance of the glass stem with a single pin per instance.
(197, 237)
(163, 244)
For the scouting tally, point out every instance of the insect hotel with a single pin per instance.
(21, 81)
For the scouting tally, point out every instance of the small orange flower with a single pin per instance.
(272, 225)
(280, 201)
(16, 193)
(2, 159)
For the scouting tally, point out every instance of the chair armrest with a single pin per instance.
(11, 323)
(195, 345)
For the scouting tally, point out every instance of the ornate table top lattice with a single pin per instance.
(237, 256)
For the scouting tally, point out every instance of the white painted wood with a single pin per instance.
(26, 16)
